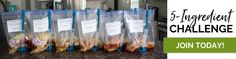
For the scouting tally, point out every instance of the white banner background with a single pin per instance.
(201, 7)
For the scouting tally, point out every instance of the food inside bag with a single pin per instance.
(114, 34)
(87, 27)
(41, 42)
(62, 42)
(135, 21)
(62, 26)
(14, 43)
(40, 29)
(12, 23)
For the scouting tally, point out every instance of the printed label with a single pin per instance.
(113, 28)
(14, 25)
(40, 25)
(89, 26)
(64, 24)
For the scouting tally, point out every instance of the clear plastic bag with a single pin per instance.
(140, 25)
(135, 21)
(114, 33)
(87, 27)
(62, 26)
(150, 42)
(12, 23)
(40, 28)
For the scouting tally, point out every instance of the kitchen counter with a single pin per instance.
(156, 53)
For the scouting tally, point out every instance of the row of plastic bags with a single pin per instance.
(90, 29)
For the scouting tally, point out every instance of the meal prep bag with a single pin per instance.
(62, 26)
(12, 22)
(40, 28)
(135, 25)
(113, 30)
(87, 27)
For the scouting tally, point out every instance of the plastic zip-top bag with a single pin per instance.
(140, 25)
(13, 26)
(149, 29)
(62, 26)
(40, 28)
(135, 21)
(87, 27)
(114, 32)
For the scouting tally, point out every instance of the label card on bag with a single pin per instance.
(40, 25)
(64, 24)
(14, 25)
(113, 28)
(89, 26)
